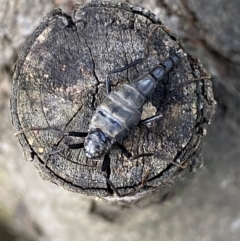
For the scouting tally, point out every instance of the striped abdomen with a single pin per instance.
(121, 110)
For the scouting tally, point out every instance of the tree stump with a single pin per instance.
(59, 81)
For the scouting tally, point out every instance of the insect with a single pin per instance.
(120, 112)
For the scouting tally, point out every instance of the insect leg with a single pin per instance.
(69, 146)
(108, 81)
(108, 85)
(78, 134)
(135, 62)
(53, 129)
(76, 146)
(127, 154)
(124, 151)
(106, 173)
(149, 119)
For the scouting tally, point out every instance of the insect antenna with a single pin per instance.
(53, 129)
(64, 133)
(145, 53)
(69, 146)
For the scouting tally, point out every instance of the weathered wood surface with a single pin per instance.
(59, 81)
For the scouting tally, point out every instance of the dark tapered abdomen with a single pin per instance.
(121, 110)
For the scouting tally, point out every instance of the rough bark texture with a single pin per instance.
(202, 208)
(60, 80)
